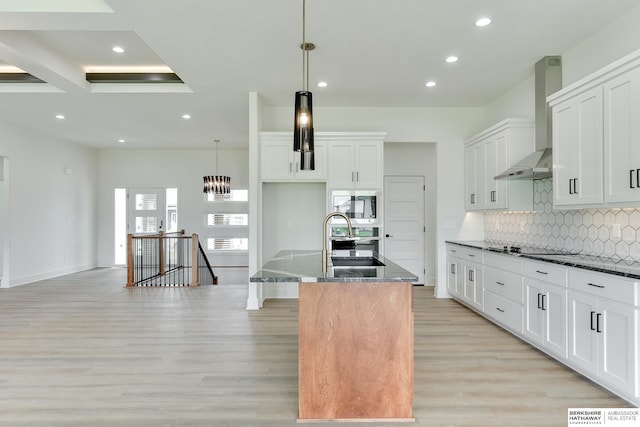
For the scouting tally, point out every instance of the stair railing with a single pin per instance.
(167, 259)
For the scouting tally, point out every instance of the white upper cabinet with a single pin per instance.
(490, 153)
(577, 150)
(355, 161)
(622, 138)
(474, 176)
(596, 138)
(279, 163)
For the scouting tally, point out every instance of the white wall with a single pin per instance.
(612, 42)
(4, 214)
(405, 159)
(292, 216)
(181, 169)
(52, 220)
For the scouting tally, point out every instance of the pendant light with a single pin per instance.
(217, 184)
(303, 114)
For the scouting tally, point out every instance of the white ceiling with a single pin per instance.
(371, 53)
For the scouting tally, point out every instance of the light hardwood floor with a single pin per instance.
(81, 350)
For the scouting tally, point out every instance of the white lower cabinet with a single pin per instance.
(455, 271)
(588, 320)
(603, 332)
(503, 290)
(504, 311)
(473, 288)
(546, 316)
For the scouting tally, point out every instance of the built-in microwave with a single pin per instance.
(360, 206)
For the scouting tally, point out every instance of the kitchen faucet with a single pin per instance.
(325, 253)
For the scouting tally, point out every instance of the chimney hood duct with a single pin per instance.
(538, 165)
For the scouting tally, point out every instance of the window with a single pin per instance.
(234, 196)
(226, 220)
(216, 219)
(227, 244)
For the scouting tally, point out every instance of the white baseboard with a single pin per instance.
(26, 279)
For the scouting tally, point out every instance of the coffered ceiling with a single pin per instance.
(370, 53)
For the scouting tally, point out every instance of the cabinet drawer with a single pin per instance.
(504, 262)
(604, 286)
(504, 311)
(454, 250)
(546, 272)
(503, 283)
(475, 255)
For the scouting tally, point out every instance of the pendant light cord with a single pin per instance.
(217, 158)
(305, 52)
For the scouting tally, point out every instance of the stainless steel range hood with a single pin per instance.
(538, 165)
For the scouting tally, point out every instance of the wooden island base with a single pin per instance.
(355, 351)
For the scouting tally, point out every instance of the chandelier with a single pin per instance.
(217, 184)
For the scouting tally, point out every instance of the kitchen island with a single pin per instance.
(355, 337)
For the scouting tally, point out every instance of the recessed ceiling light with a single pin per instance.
(117, 49)
(186, 116)
(60, 116)
(452, 58)
(430, 84)
(322, 84)
(483, 22)
(121, 141)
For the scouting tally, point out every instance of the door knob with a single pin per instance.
(388, 235)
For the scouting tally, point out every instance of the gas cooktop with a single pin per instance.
(528, 250)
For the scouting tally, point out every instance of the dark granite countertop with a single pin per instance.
(306, 266)
(616, 266)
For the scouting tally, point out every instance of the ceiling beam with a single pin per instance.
(26, 51)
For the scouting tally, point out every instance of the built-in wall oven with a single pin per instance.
(364, 212)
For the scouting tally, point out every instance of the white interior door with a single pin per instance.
(145, 210)
(404, 223)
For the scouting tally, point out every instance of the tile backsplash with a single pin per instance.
(612, 233)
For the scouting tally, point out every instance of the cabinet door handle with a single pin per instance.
(472, 275)
(500, 283)
(631, 178)
(453, 269)
(570, 187)
(544, 304)
(637, 178)
(290, 167)
(472, 198)
(471, 255)
(357, 176)
(596, 286)
(539, 298)
(598, 317)
(592, 327)
(541, 272)
(500, 310)
(352, 180)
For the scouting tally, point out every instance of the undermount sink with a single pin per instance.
(355, 261)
